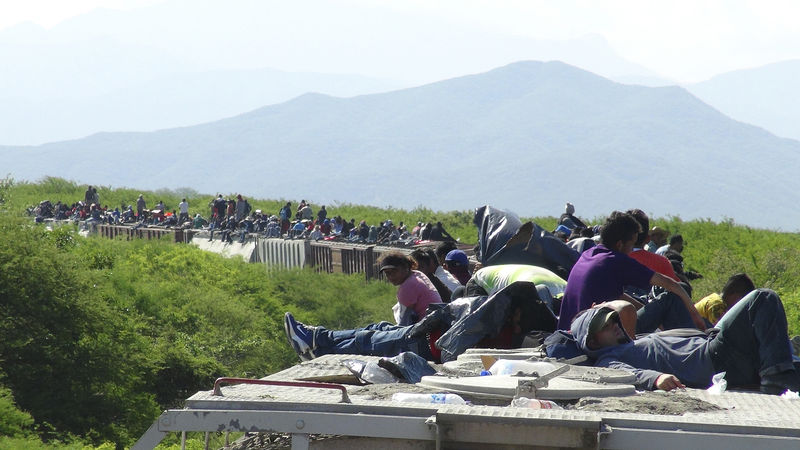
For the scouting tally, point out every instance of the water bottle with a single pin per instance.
(450, 399)
(534, 403)
(519, 366)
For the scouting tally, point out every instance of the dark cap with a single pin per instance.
(458, 257)
(387, 266)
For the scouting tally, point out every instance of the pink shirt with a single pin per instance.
(417, 292)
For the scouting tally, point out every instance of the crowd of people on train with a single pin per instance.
(234, 217)
(626, 304)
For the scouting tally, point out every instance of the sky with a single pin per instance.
(684, 41)
(49, 13)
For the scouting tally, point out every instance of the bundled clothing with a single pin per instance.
(504, 239)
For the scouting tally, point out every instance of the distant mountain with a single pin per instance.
(178, 63)
(171, 100)
(527, 137)
(767, 96)
(593, 53)
(77, 85)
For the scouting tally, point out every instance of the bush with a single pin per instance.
(13, 422)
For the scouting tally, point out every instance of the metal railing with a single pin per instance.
(323, 256)
(129, 233)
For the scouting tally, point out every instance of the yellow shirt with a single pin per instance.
(711, 307)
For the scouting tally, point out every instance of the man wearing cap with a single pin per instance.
(750, 344)
(457, 263)
(442, 249)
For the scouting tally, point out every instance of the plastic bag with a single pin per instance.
(369, 372)
(407, 366)
(534, 403)
(790, 395)
(520, 367)
(718, 384)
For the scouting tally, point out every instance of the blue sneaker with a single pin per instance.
(300, 337)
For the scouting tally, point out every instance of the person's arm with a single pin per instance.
(672, 286)
(646, 379)
(627, 314)
(637, 305)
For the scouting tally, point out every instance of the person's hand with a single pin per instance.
(668, 382)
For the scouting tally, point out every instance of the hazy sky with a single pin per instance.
(682, 40)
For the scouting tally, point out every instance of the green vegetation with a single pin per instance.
(98, 336)
(718, 250)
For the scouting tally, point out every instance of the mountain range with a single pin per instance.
(179, 62)
(527, 137)
(767, 96)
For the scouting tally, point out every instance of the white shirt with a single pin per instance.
(184, 206)
(447, 278)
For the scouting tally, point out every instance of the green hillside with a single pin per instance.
(98, 336)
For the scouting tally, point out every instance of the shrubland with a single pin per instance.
(98, 336)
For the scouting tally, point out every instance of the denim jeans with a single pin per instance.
(667, 310)
(377, 339)
(753, 340)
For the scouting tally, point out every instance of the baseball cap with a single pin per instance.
(387, 266)
(457, 256)
(600, 319)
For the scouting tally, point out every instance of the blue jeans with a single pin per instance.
(667, 310)
(753, 340)
(377, 339)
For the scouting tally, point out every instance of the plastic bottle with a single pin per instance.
(534, 403)
(519, 366)
(450, 399)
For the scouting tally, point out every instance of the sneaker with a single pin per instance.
(300, 337)
(777, 384)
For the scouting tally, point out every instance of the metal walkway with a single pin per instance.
(369, 420)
